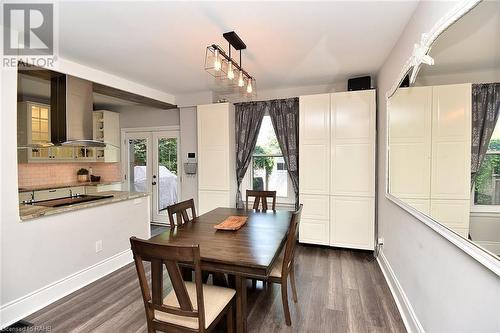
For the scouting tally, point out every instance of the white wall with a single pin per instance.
(144, 116)
(37, 253)
(449, 290)
(189, 143)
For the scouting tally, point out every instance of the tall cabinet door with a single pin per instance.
(410, 119)
(314, 168)
(216, 170)
(314, 144)
(451, 156)
(352, 188)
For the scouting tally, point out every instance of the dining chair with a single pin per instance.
(283, 266)
(180, 210)
(189, 306)
(261, 196)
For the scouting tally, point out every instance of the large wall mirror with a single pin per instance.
(444, 132)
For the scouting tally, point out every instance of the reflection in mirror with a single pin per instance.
(444, 133)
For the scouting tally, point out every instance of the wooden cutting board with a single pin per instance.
(232, 223)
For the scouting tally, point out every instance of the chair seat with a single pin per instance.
(215, 299)
(277, 266)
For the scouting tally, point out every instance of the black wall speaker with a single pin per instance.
(359, 83)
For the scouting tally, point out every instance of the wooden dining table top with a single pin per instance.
(249, 251)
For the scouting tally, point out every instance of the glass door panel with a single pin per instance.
(138, 162)
(165, 173)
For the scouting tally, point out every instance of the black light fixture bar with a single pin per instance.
(235, 40)
(236, 65)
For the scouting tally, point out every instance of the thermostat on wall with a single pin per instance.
(191, 158)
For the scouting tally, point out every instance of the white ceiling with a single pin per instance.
(472, 44)
(162, 44)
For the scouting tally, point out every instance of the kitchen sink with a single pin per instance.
(76, 199)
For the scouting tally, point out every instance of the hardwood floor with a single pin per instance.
(338, 291)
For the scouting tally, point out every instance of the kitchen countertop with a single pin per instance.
(62, 185)
(28, 212)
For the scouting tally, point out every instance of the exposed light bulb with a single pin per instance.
(217, 63)
(249, 86)
(241, 82)
(230, 72)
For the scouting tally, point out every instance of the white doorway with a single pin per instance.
(151, 164)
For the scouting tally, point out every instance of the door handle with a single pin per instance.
(154, 183)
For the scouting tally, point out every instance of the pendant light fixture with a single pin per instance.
(222, 66)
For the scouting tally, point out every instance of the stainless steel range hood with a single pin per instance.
(71, 112)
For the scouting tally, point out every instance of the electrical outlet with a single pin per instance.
(98, 246)
(381, 241)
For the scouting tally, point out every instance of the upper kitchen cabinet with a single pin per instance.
(106, 128)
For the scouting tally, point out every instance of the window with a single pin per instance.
(39, 123)
(487, 183)
(268, 166)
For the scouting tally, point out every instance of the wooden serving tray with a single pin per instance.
(232, 223)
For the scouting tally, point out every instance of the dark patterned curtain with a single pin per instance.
(248, 121)
(285, 118)
(485, 111)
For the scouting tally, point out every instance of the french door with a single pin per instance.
(152, 166)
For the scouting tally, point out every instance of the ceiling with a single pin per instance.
(472, 44)
(162, 44)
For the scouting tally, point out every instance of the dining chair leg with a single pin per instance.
(292, 283)
(254, 283)
(219, 279)
(284, 300)
(230, 319)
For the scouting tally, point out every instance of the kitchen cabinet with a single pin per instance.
(33, 127)
(106, 128)
(216, 156)
(337, 169)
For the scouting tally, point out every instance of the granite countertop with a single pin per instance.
(28, 212)
(62, 185)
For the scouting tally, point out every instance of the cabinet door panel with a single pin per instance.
(209, 200)
(213, 174)
(316, 207)
(314, 119)
(450, 170)
(452, 213)
(314, 170)
(410, 170)
(353, 170)
(314, 231)
(352, 222)
(451, 112)
(353, 116)
(422, 205)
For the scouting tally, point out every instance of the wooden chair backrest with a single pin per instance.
(170, 256)
(261, 196)
(180, 209)
(291, 241)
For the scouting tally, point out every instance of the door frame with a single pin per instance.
(124, 132)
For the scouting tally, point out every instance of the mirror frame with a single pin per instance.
(412, 66)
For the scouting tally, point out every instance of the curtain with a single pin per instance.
(285, 118)
(248, 121)
(485, 111)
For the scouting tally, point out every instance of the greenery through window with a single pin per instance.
(487, 183)
(268, 166)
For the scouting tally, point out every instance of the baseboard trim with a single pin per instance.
(408, 315)
(26, 305)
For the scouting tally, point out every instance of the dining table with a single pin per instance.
(248, 252)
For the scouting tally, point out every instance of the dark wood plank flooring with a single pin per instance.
(338, 291)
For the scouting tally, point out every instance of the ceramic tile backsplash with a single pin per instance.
(34, 174)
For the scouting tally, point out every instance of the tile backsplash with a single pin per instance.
(34, 174)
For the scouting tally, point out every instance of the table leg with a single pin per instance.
(241, 304)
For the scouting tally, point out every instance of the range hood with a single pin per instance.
(71, 107)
